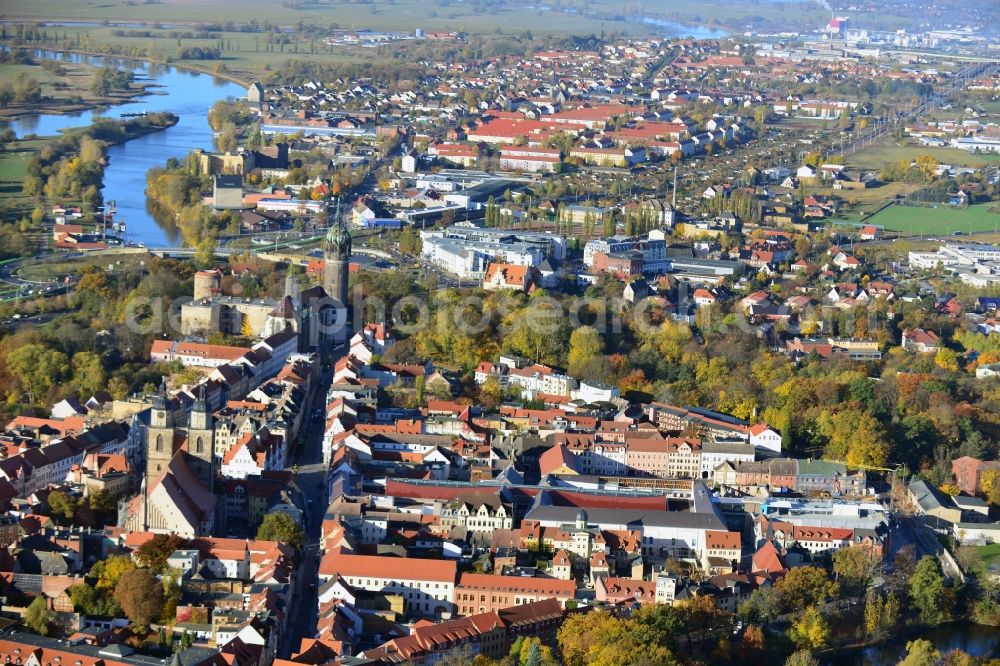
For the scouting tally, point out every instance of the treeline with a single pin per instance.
(72, 166)
(174, 193)
(109, 79)
(879, 89)
(14, 239)
(24, 89)
(745, 205)
(225, 113)
(40, 366)
(297, 71)
(172, 34)
(197, 53)
(922, 170)
(16, 56)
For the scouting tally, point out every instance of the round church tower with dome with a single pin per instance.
(336, 257)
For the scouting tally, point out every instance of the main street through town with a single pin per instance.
(311, 478)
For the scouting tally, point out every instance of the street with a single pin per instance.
(311, 479)
(909, 531)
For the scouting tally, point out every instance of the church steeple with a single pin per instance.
(201, 439)
(160, 435)
(336, 257)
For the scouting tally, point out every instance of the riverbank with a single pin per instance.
(65, 90)
(16, 157)
(977, 640)
(185, 92)
(140, 89)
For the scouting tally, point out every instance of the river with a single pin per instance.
(188, 95)
(974, 639)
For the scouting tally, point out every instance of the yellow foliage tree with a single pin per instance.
(928, 166)
(584, 344)
(946, 359)
(810, 631)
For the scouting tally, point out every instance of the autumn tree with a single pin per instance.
(881, 614)
(802, 658)
(810, 631)
(582, 633)
(928, 594)
(946, 359)
(927, 166)
(854, 436)
(279, 526)
(753, 643)
(855, 567)
(410, 242)
(672, 338)
(154, 553)
(585, 343)
(529, 651)
(598, 638)
(62, 506)
(539, 331)
(491, 392)
(108, 572)
(989, 484)
(88, 372)
(920, 652)
(37, 615)
(204, 255)
(806, 586)
(140, 596)
(702, 619)
(103, 501)
(37, 368)
(118, 388)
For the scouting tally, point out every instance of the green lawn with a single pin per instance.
(55, 268)
(942, 220)
(990, 107)
(990, 553)
(9, 72)
(868, 200)
(879, 155)
(13, 164)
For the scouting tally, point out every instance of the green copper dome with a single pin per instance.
(338, 239)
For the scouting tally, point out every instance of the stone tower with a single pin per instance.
(201, 440)
(335, 260)
(160, 434)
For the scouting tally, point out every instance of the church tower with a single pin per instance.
(336, 257)
(160, 434)
(201, 440)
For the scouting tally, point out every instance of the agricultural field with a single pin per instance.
(600, 15)
(400, 15)
(942, 220)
